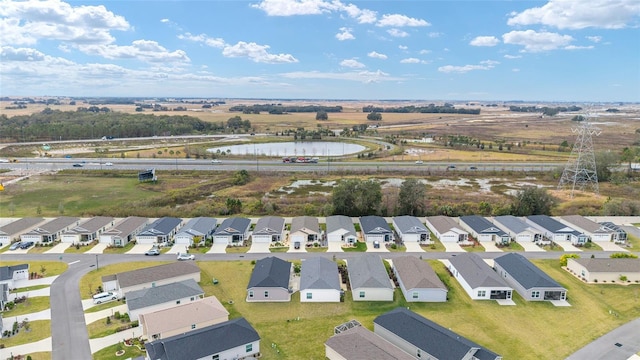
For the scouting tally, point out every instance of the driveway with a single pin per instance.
(40, 292)
(42, 281)
(218, 249)
(259, 248)
(334, 246)
(566, 246)
(530, 246)
(58, 249)
(43, 345)
(382, 248)
(102, 314)
(140, 249)
(7, 323)
(413, 247)
(619, 344)
(178, 248)
(609, 246)
(490, 246)
(452, 247)
(98, 249)
(300, 250)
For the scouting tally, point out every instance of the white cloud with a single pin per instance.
(577, 47)
(507, 56)
(352, 63)
(434, 34)
(359, 76)
(484, 65)
(537, 41)
(257, 53)
(377, 55)
(595, 39)
(165, 21)
(403, 47)
(563, 14)
(515, 70)
(398, 20)
(27, 22)
(143, 50)
(364, 16)
(397, 33)
(489, 62)
(202, 38)
(485, 41)
(424, 51)
(294, 7)
(413, 61)
(345, 34)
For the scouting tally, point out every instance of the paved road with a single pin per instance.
(619, 344)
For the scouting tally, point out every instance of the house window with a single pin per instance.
(193, 326)
(535, 294)
(266, 294)
(361, 294)
(482, 293)
(155, 336)
(418, 353)
(414, 295)
(583, 273)
(153, 284)
(309, 295)
(249, 347)
(250, 293)
(215, 357)
(177, 302)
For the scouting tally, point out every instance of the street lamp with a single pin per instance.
(97, 266)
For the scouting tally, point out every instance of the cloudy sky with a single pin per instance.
(560, 50)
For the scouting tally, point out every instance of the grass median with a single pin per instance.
(38, 330)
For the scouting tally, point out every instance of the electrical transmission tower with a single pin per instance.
(580, 172)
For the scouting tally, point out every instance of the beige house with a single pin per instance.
(182, 318)
(605, 270)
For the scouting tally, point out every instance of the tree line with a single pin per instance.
(429, 109)
(282, 109)
(548, 111)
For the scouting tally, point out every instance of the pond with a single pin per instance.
(298, 148)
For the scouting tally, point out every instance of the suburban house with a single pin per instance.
(233, 339)
(159, 232)
(595, 232)
(556, 231)
(124, 232)
(375, 229)
(369, 279)
(410, 229)
(519, 230)
(528, 280)
(9, 274)
(483, 230)
(418, 281)
(319, 281)
(340, 229)
(605, 270)
(200, 228)
(12, 231)
(447, 230)
(88, 231)
(304, 230)
(270, 281)
(183, 318)
(619, 234)
(150, 276)
(424, 339)
(478, 279)
(162, 297)
(233, 231)
(268, 229)
(51, 230)
(358, 343)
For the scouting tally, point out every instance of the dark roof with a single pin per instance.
(270, 272)
(360, 343)
(143, 298)
(162, 226)
(4, 296)
(200, 226)
(269, 225)
(368, 271)
(430, 337)
(409, 225)
(524, 272)
(6, 272)
(91, 226)
(417, 274)
(476, 272)
(552, 224)
(374, 225)
(610, 265)
(203, 342)
(319, 273)
(154, 273)
(234, 225)
(513, 223)
(481, 225)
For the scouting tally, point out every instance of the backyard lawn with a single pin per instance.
(31, 305)
(38, 330)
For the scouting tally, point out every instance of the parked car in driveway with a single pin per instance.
(185, 256)
(26, 244)
(153, 252)
(104, 297)
(15, 245)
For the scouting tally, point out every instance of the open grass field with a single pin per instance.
(31, 305)
(40, 329)
(529, 330)
(51, 268)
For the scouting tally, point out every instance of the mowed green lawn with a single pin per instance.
(526, 331)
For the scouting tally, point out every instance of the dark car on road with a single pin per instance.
(26, 244)
(78, 165)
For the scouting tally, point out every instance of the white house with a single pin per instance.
(483, 230)
(233, 231)
(123, 232)
(369, 279)
(51, 230)
(606, 270)
(200, 227)
(160, 231)
(447, 230)
(319, 281)
(304, 229)
(556, 231)
(10, 274)
(340, 229)
(418, 281)
(12, 231)
(518, 229)
(162, 297)
(88, 231)
(268, 229)
(478, 279)
(410, 229)
(150, 277)
(375, 228)
(595, 231)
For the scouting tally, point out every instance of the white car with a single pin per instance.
(185, 256)
(419, 162)
(216, 161)
(108, 164)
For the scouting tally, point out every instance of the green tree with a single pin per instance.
(629, 155)
(241, 177)
(322, 115)
(605, 161)
(355, 197)
(564, 258)
(532, 200)
(623, 256)
(375, 116)
(411, 200)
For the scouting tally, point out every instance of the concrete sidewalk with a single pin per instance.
(7, 323)
(24, 349)
(40, 292)
(42, 281)
(103, 342)
(102, 314)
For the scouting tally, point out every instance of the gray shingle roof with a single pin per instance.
(552, 224)
(525, 273)
(6, 272)
(610, 265)
(154, 273)
(20, 225)
(359, 343)
(319, 273)
(269, 225)
(55, 225)
(162, 226)
(432, 338)
(127, 226)
(409, 225)
(233, 226)
(203, 342)
(200, 226)
(270, 272)
(417, 274)
(481, 225)
(368, 271)
(586, 224)
(442, 224)
(337, 222)
(476, 272)
(91, 226)
(512, 223)
(305, 222)
(143, 298)
(374, 225)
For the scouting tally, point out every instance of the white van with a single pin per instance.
(104, 297)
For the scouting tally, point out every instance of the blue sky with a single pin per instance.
(570, 50)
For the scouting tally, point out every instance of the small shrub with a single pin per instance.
(108, 320)
(117, 315)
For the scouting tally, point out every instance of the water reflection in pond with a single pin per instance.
(299, 148)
